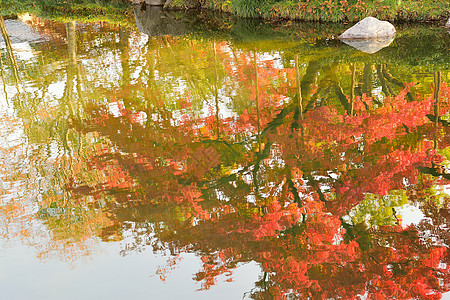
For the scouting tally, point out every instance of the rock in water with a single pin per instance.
(369, 28)
(370, 45)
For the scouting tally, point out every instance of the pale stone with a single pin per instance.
(150, 2)
(369, 28)
(155, 21)
(448, 23)
(370, 45)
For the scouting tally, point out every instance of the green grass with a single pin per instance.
(117, 12)
(335, 10)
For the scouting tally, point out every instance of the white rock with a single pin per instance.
(448, 23)
(369, 28)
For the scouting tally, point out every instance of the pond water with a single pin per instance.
(193, 157)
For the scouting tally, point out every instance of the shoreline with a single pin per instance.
(323, 11)
(277, 11)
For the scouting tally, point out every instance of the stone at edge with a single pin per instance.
(150, 2)
(155, 21)
(448, 23)
(369, 28)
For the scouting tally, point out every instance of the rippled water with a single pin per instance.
(259, 161)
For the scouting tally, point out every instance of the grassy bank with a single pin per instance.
(331, 10)
(116, 12)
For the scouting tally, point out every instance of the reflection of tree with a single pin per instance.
(12, 58)
(73, 223)
(207, 148)
(286, 228)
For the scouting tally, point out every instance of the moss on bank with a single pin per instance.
(116, 12)
(331, 10)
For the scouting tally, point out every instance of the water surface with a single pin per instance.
(259, 161)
